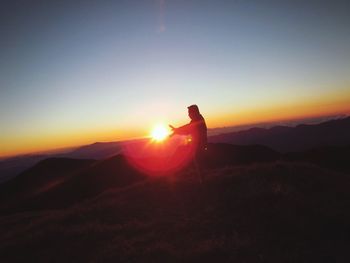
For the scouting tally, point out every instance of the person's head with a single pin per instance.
(193, 111)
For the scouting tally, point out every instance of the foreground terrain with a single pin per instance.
(264, 212)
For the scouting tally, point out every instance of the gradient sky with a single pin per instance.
(76, 72)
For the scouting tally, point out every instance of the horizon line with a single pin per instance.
(62, 150)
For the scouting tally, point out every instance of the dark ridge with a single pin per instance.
(10, 167)
(41, 178)
(61, 182)
(288, 139)
(96, 150)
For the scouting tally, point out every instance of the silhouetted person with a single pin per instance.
(197, 128)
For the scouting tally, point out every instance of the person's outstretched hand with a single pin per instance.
(173, 129)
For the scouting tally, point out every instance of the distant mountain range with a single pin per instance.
(279, 138)
(267, 125)
(290, 139)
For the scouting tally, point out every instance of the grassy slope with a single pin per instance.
(279, 212)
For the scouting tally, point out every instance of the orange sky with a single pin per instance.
(332, 104)
(74, 73)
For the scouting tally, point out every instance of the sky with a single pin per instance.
(76, 72)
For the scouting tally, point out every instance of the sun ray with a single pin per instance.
(160, 132)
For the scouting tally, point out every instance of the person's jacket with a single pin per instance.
(197, 128)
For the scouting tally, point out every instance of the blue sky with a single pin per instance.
(95, 67)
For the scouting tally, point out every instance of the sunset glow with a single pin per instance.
(160, 132)
(74, 74)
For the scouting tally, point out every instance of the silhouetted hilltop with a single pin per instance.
(287, 139)
(114, 172)
(60, 182)
(41, 178)
(98, 150)
(11, 167)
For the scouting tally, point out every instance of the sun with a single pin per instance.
(160, 132)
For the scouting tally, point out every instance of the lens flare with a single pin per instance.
(159, 159)
(160, 132)
(159, 154)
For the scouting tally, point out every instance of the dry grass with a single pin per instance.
(281, 212)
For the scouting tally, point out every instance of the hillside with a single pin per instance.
(330, 157)
(254, 205)
(40, 179)
(267, 212)
(11, 167)
(62, 182)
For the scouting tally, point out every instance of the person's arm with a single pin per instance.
(183, 130)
